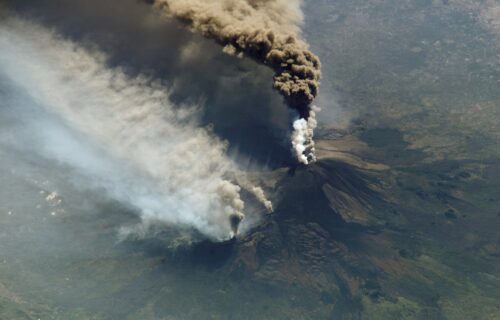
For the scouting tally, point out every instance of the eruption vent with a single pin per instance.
(268, 31)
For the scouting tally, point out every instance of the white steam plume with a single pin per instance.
(303, 137)
(121, 134)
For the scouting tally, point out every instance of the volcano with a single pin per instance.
(148, 169)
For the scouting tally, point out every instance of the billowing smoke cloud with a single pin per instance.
(120, 133)
(268, 32)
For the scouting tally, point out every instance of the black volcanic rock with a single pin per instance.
(307, 239)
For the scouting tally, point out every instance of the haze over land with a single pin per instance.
(131, 145)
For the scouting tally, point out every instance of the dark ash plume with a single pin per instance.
(268, 32)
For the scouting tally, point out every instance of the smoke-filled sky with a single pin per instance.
(136, 103)
(236, 94)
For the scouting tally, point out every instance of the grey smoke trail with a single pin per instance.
(261, 197)
(137, 147)
(267, 31)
